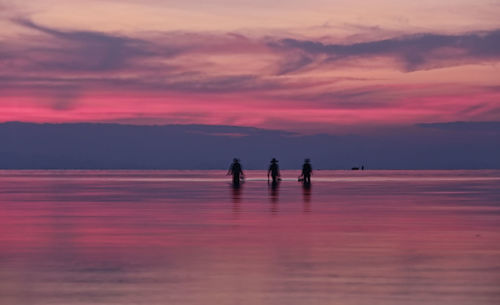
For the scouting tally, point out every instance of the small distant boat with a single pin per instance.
(357, 168)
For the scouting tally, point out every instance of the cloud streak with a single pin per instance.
(51, 74)
(81, 51)
(416, 52)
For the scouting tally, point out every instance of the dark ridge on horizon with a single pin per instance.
(211, 130)
(107, 124)
(125, 146)
(464, 125)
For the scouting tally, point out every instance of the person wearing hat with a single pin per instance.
(236, 170)
(306, 172)
(273, 171)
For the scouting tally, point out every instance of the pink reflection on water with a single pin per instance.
(129, 237)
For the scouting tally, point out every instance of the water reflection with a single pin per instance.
(236, 197)
(306, 196)
(168, 237)
(274, 196)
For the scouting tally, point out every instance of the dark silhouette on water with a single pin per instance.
(274, 171)
(236, 192)
(305, 176)
(274, 196)
(236, 170)
(236, 196)
(306, 196)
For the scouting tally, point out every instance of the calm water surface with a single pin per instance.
(188, 237)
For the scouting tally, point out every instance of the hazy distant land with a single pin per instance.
(458, 145)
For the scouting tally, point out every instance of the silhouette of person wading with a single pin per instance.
(306, 172)
(273, 171)
(237, 172)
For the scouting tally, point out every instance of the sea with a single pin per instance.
(189, 237)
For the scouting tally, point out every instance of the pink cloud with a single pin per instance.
(58, 75)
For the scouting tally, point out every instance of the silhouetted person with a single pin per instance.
(273, 171)
(236, 170)
(306, 172)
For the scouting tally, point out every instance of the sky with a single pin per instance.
(316, 66)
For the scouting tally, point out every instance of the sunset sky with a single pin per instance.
(313, 66)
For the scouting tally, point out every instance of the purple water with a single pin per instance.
(188, 237)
